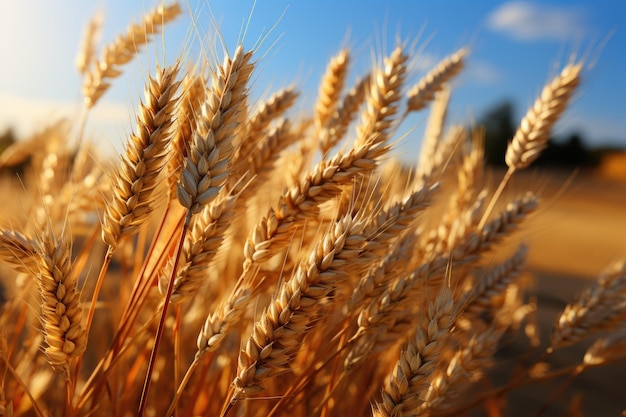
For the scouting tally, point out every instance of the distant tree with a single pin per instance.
(7, 139)
(499, 130)
(570, 152)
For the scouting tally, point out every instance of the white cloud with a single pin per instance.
(482, 72)
(526, 21)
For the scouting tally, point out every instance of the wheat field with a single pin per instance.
(243, 259)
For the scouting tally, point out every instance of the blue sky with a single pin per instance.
(515, 48)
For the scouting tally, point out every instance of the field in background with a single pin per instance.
(580, 228)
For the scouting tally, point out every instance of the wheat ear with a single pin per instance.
(61, 311)
(337, 124)
(255, 129)
(122, 50)
(260, 163)
(331, 87)
(206, 167)
(192, 97)
(17, 251)
(383, 99)
(200, 247)
(494, 283)
(609, 349)
(412, 374)
(273, 231)
(285, 321)
(390, 224)
(378, 320)
(424, 91)
(534, 130)
(143, 162)
(434, 130)
(601, 306)
(464, 369)
(87, 52)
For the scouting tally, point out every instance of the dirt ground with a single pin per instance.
(580, 229)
